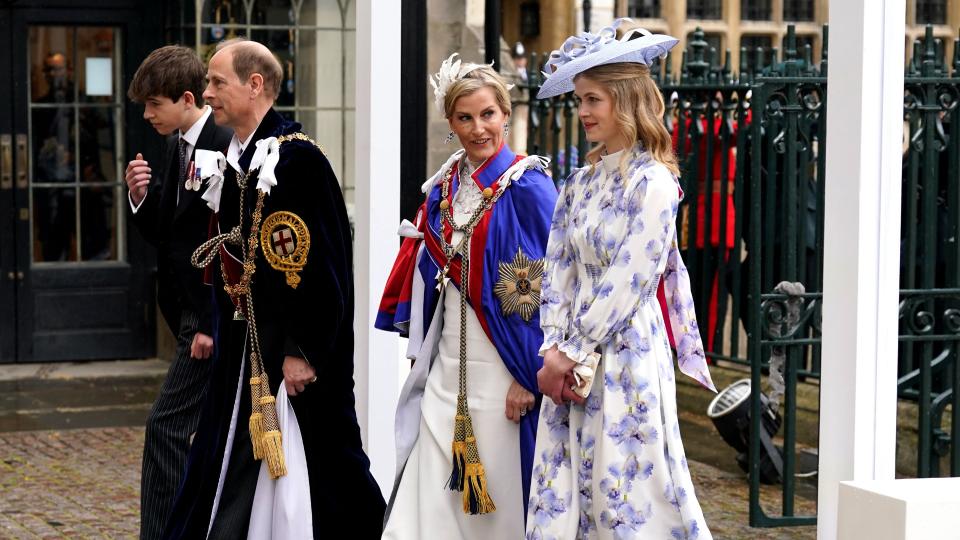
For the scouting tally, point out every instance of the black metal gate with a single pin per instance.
(751, 144)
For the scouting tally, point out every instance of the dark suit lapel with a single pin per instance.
(168, 196)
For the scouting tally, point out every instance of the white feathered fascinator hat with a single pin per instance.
(582, 52)
(452, 70)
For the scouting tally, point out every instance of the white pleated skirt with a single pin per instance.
(424, 507)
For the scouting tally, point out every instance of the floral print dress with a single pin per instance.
(615, 467)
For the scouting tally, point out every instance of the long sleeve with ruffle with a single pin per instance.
(559, 274)
(624, 268)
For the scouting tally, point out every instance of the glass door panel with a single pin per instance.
(76, 114)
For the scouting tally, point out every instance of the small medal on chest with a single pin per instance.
(192, 181)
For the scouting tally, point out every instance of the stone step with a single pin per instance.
(68, 396)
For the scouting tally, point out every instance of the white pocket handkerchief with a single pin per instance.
(210, 166)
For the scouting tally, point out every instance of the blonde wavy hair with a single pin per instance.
(638, 107)
(483, 76)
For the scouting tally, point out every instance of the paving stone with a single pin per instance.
(84, 483)
(724, 498)
(71, 484)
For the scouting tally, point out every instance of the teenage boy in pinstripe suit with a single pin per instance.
(169, 212)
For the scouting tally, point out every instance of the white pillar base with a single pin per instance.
(913, 509)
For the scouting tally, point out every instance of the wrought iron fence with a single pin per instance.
(751, 146)
(787, 162)
(929, 366)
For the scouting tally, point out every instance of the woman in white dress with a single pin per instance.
(467, 418)
(612, 465)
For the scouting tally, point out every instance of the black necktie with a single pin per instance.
(182, 155)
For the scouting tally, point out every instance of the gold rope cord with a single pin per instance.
(270, 439)
(468, 474)
(265, 436)
(264, 425)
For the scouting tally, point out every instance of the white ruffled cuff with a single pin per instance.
(552, 335)
(577, 348)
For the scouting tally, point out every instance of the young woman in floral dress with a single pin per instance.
(613, 465)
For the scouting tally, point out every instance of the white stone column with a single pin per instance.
(861, 253)
(377, 200)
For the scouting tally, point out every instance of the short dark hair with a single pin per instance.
(251, 57)
(169, 71)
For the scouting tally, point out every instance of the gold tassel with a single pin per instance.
(455, 482)
(273, 454)
(256, 419)
(459, 448)
(272, 441)
(256, 435)
(468, 474)
(476, 497)
(268, 412)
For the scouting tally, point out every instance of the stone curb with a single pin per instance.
(67, 371)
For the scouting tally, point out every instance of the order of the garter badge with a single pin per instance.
(286, 241)
(518, 286)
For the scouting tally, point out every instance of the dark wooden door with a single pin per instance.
(8, 264)
(76, 282)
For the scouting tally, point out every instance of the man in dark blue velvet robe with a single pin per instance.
(301, 309)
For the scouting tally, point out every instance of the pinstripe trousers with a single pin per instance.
(172, 419)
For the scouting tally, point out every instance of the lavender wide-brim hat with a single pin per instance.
(587, 50)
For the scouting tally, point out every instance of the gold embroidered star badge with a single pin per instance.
(285, 241)
(518, 286)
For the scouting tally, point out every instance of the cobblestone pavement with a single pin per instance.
(724, 498)
(84, 483)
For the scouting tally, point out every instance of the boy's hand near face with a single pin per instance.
(137, 178)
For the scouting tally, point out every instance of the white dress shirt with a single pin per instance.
(236, 149)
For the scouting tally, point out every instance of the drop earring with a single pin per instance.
(449, 138)
(506, 128)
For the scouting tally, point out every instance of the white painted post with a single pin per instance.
(377, 215)
(861, 252)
